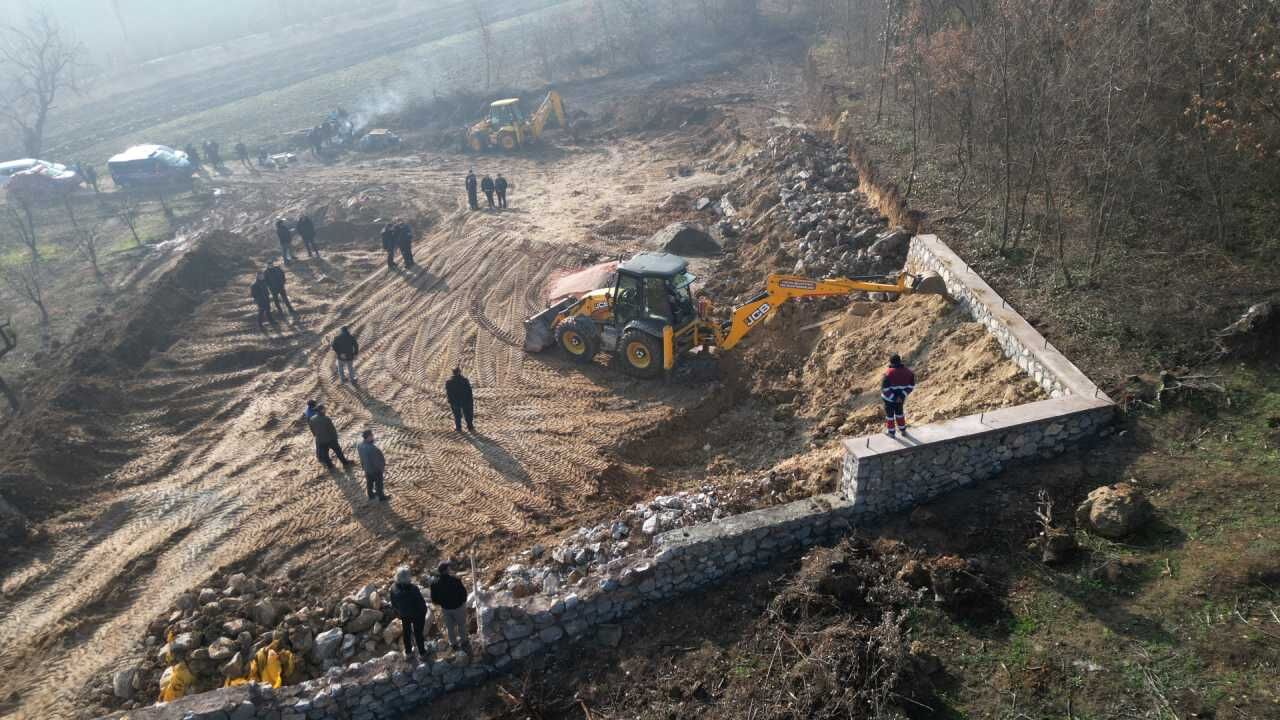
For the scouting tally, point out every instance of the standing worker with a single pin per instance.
(346, 347)
(389, 243)
(458, 390)
(307, 231)
(326, 436)
(91, 176)
(897, 384)
(404, 240)
(500, 186)
(450, 594)
(274, 275)
(242, 152)
(262, 298)
(286, 239)
(486, 185)
(375, 467)
(411, 608)
(471, 190)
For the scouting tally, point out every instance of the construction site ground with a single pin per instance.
(197, 462)
(155, 476)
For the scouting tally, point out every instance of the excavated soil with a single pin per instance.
(213, 470)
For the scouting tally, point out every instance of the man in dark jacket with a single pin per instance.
(895, 386)
(307, 231)
(411, 608)
(242, 153)
(346, 347)
(450, 594)
(390, 243)
(193, 155)
(274, 275)
(458, 390)
(471, 190)
(486, 185)
(286, 239)
(326, 438)
(262, 298)
(500, 187)
(404, 241)
(374, 464)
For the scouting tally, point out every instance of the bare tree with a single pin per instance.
(8, 341)
(486, 43)
(22, 223)
(128, 212)
(88, 242)
(26, 279)
(37, 63)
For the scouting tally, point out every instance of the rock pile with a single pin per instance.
(602, 549)
(835, 231)
(216, 629)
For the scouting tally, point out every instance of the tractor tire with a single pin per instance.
(579, 338)
(508, 141)
(641, 354)
(476, 143)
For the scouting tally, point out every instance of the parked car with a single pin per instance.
(378, 140)
(13, 167)
(150, 165)
(37, 179)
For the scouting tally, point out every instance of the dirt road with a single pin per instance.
(227, 476)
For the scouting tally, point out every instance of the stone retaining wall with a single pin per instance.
(678, 562)
(883, 474)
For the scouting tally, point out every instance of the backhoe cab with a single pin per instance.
(649, 316)
(506, 126)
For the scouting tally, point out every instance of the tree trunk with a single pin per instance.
(11, 396)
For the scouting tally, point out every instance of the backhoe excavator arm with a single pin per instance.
(551, 105)
(781, 288)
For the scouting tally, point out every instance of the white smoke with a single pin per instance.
(371, 107)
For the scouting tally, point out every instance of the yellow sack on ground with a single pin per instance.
(175, 682)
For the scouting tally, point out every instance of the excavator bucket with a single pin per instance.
(929, 284)
(539, 330)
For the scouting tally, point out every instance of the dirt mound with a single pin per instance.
(688, 239)
(663, 114)
(79, 389)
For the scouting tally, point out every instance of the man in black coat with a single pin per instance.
(307, 231)
(411, 608)
(261, 295)
(486, 185)
(274, 276)
(500, 187)
(346, 347)
(450, 594)
(458, 390)
(404, 241)
(471, 190)
(326, 436)
(286, 239)
(389, 243)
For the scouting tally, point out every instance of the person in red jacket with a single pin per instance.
(895, 386)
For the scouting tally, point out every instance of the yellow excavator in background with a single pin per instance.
(506, 126)
(649, 317)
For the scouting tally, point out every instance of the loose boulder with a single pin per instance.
(122, 683)
(327, 644)
(681, 238)
(364, 621)
(1114, 511)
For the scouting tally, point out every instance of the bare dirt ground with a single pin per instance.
(219, 471)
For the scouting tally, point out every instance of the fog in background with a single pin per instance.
(123, 32)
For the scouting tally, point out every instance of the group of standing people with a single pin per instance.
(306, 230)
(397, 235)
(447, 592)
(491, 187)
(269, 286)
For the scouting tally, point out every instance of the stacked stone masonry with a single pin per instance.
(881, 475)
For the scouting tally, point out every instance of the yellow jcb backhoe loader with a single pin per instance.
(506, 126)
(648, 318)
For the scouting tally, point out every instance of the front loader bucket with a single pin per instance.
(539, 330)
(929, 284)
